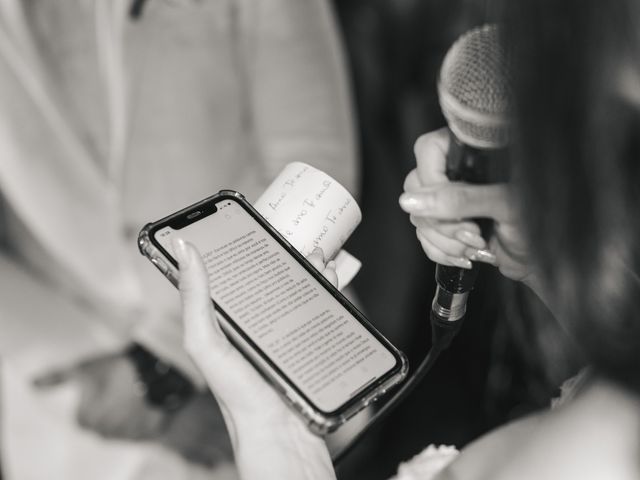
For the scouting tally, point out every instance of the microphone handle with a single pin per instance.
(471, 165)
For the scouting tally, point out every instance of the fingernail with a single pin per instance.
(318, 251)
(462, 263)
(481, 256)
(471, 239)
(332, 264)
(180, 249)
(412, 202)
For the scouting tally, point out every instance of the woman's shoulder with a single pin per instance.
(595, 436)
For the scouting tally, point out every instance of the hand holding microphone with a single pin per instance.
(474, 95)
(441, 211)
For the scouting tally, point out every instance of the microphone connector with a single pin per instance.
(447, 306)
(444, 330)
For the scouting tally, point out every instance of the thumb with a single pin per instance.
(229, 376)
(451, 201)
(201, 329)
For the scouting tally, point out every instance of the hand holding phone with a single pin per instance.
(311, 344)
(264, 431)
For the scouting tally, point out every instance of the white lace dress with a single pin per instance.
(427, 464)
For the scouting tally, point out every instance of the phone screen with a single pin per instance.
(302, 329)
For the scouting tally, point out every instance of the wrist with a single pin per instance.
(285, 449)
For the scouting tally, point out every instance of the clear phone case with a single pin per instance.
(319, 422)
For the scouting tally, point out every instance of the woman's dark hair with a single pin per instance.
(577, 169)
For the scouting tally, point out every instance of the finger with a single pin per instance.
(431, 153)
(466, 232)
(412, 182)
(450, 246)
(483, 255)
(459, 250)
(447, 227)
(202, 335)
(459, 200)
(330, 273)
(316, 258)
(438, 256)
(229, 375)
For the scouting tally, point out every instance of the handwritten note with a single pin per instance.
(311, 209)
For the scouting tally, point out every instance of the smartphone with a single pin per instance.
(306, 339)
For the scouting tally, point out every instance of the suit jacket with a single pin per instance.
(107, 123)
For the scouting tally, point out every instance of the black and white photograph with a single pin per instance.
(319, 240)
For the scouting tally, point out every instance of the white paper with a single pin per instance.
(311, 209)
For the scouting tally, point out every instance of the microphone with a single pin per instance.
(474, 94)
(474, 97)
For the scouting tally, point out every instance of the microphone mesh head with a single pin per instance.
(474, 88)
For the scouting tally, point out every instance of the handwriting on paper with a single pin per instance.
(310, 209)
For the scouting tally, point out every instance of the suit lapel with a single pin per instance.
(49, 177)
